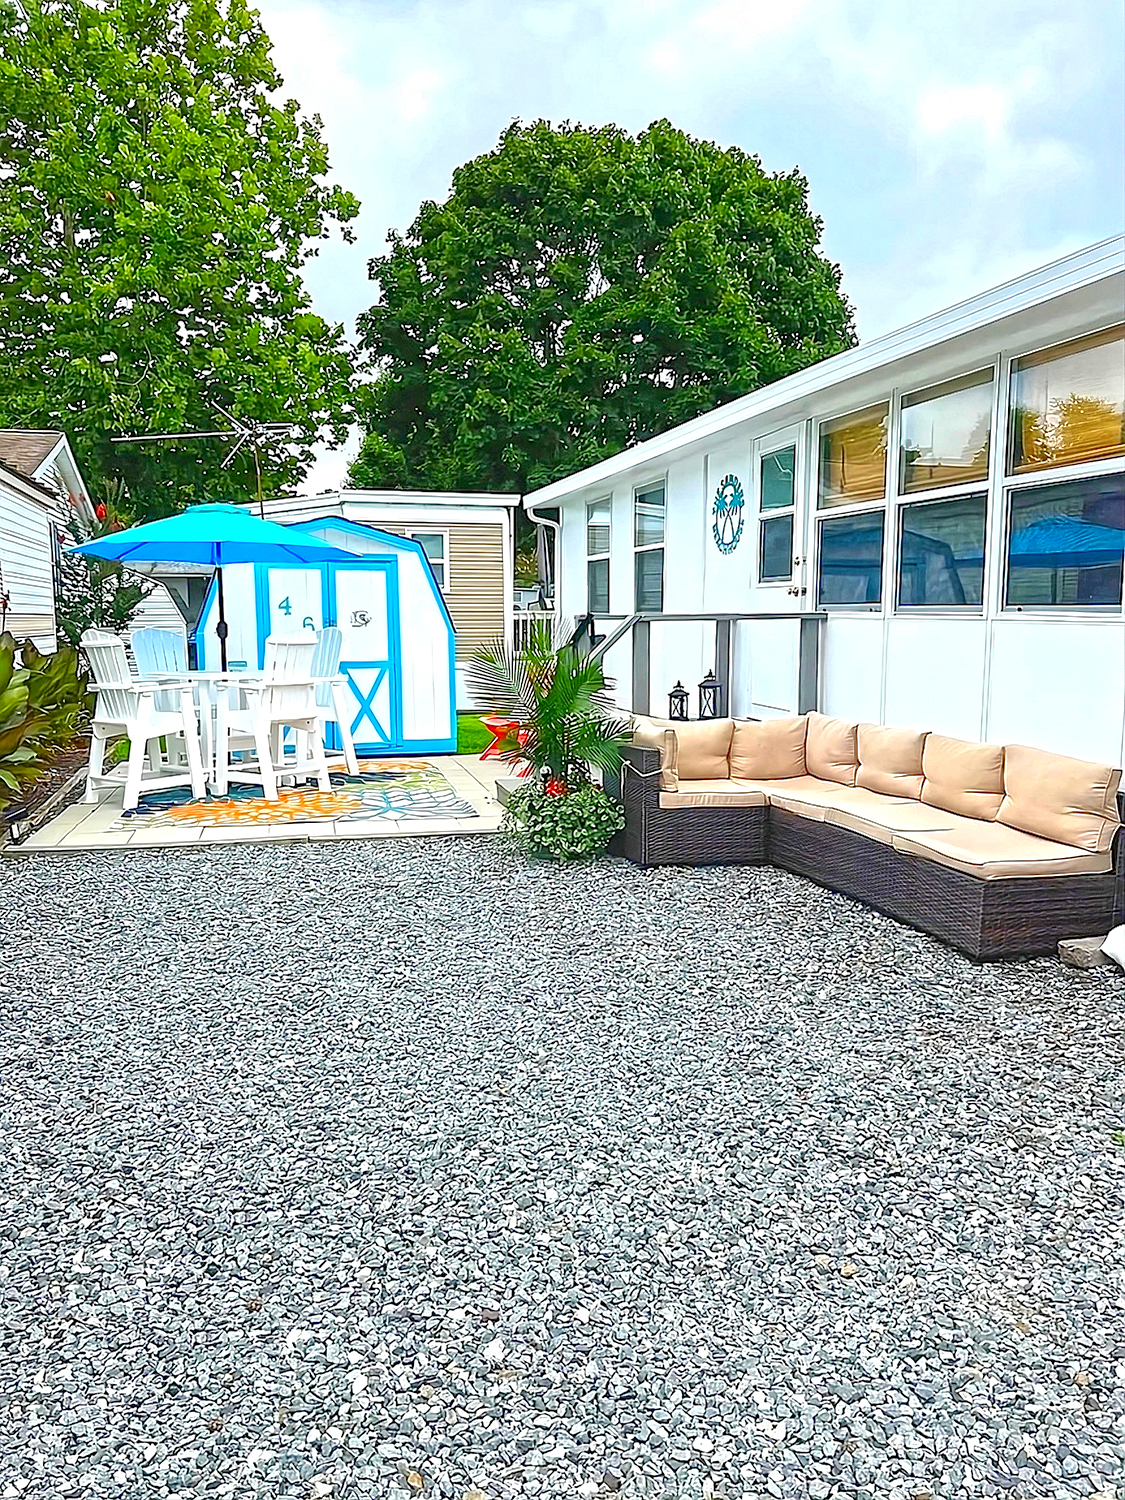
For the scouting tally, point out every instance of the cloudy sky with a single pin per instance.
(949, 144)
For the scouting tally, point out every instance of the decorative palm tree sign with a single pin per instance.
(727, 514)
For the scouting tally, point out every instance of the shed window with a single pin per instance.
(1066, 543)
(648, 540)
(433, 544)
(1068, 403)
(945, 433)
(597, 556)
(941, 554)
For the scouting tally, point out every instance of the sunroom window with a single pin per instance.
(851, 559)
(941, 554)
(1066, 543)
(777, 474)
(597, 556)
(1068, 403)
(648, 542)
(945, 433)
(853, 458)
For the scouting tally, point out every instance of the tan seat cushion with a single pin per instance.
(962, 777)
(811, 797)
(715, 792)
(993, 851)
(890, 760)
(656, 734)
(1057, 797)
(882, 817)
(703, 749)
(831, 751)
(774, 748)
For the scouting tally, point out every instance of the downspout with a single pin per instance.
(556, 527)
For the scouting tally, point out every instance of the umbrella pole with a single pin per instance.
(221, 627)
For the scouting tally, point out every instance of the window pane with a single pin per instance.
(1069, 403)
(945, 433)
(853, 457)
(438, 570)
(432, 544)
(597, 586)
(648, 524)
(778, 471)
(775, 557)
(597, 528)
(851, 560)
(650, 580)
(1066, 543)
(941, 560)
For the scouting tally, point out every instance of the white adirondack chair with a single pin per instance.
(129, 707)
(255, 715)
(331, 693)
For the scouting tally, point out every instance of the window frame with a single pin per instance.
(1007, 488)
(606, 556)
(915, 501)
(417, 532)
(885, 502)
(1011, 358)
(644, 488)
(776, 442)
(961, 486)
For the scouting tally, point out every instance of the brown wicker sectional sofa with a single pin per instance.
(1000, 850)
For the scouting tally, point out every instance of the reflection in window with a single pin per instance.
(1066, 543)
(648, 521)
(1068, 403)
(945, 432)
(778, 476)
(649, 580)
(853, 457)
(597, 551)
(775, 561)
(941, 557)
(597, 586)
(597, 528)
(851, 560)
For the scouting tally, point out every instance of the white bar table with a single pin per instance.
(209, 685)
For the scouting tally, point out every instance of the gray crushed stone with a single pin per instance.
(378, 1169)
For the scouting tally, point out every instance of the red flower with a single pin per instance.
(555, 787)
(100, 512)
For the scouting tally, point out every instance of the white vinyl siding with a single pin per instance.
(27, 566)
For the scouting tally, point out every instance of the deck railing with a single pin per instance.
(524, 621)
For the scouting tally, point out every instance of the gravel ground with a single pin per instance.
(374, 1169)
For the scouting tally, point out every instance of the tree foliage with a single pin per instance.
(581, 290)
(157, 208)
(92, 593)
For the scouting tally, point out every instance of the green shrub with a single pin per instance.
(44, 706)
(563, 825)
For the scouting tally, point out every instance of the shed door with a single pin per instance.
(362, 599)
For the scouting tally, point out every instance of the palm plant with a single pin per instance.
(568, 721)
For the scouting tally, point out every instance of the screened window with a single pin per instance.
(1066, 543)
(597, 556)
(945, 433)
(777, 476)
(853, 457)
(433, 544)
(1068, 403)
(941, 554)
(851, 559)
(648, 539)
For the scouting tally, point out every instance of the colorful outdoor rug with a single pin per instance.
(384, 790)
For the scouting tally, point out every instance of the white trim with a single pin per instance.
(443, 531)
(1096, 263)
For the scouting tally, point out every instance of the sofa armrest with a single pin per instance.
(1119, 864)
(638, 781)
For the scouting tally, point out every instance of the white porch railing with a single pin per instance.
(524, 621)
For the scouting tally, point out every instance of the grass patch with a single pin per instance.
(472, 736)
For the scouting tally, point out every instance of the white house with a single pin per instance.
(926, 530)
(40, 489)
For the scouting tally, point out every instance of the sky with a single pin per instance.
(948, 144)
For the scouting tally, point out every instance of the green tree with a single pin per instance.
(156, 209)
(91, 593)
(581, 290)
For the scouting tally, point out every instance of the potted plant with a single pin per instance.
(568, 726)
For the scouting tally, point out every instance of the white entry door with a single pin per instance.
(363, 603)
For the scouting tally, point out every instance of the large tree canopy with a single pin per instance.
(156, 206)
(581, 290)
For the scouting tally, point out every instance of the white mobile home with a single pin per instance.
(927, 530)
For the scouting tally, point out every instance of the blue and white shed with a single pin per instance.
(398, 646)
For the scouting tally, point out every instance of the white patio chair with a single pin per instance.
(255, 715)
(129, 707)
(331, 693)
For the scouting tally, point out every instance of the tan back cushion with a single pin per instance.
(890, 760)
(1057, 797)
(656, 734)
(962, 777)
(703, 749)
(771, 750)
(830, 749)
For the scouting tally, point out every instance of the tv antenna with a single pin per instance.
(243, 432)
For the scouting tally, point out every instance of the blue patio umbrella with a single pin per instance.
(1066, 542)
(214, 536)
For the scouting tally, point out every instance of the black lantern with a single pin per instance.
(711, 705)
(678, 702)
